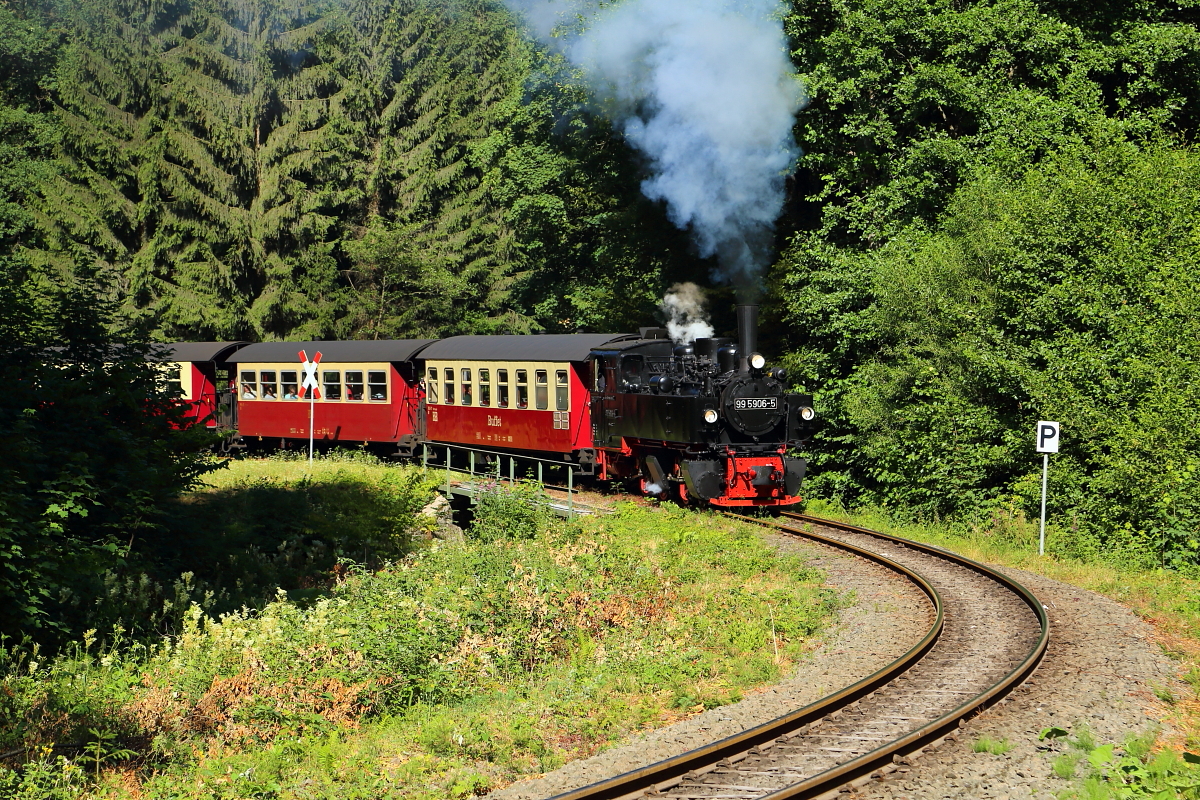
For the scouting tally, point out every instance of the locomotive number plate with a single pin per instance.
(768, 403)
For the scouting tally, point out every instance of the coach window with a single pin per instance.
(354, 385)
(270, 389)
(331, 385)
(485, 387)
(448, 386)
(541, 390)
(560, 389)
(522, 389)
(466, 386)
(291, 386)
(175, 381)
(377, 386)
(502, 388)
(431, 386)
(249, 385)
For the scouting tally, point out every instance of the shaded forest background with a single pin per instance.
(996, 219)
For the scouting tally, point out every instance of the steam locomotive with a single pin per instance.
(703, 423)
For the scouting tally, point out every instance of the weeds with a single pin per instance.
(445, 673)
(1128, 772)
(996, 747)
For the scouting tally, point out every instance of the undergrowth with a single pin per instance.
(1129, 771)
(444, 674)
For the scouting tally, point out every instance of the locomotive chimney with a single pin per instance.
(747, 322)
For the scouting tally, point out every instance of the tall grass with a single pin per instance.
(447, 672)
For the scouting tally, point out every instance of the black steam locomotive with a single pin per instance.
(705, 421)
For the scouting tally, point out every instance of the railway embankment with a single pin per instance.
(460, 667)
(537, 655)
(1086, 724)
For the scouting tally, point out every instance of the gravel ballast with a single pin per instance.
(1101, 672)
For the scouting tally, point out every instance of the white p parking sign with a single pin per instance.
(1047, 437)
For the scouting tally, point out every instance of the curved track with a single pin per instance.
(988, 634)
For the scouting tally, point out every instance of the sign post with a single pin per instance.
(312, 387)
(1047, 443)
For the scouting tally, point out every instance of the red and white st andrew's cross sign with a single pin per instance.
(310, 375)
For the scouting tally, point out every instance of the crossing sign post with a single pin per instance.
(1047, 442)
(312, 387)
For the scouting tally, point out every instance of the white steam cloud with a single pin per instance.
(683, 306)
(705, 89)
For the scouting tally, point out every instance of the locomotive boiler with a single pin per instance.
(705, 421)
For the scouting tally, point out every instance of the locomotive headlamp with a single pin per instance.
(806, 413)
(757, 361)
(710, 415)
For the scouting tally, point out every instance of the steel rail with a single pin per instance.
(669, 772)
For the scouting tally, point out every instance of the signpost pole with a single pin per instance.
(1042, 532)
(1047, 438)
(310, 388)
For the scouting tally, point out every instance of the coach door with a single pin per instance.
(226, 410)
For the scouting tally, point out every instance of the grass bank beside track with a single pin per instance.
(1169, 600)
(456, 669)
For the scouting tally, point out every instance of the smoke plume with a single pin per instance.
(683, 307)
(705, 89)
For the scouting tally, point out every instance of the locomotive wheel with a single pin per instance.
(681, 494)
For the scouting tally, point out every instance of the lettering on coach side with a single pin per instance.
(493, 421)
(433, 414)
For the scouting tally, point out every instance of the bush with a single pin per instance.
(1067, 294)
(519, 512)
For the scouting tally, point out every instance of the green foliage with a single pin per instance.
(93, 452)
(971, 267)
(478, 662)
(1136, 772)
(390, 168)
(996, 747)
(1068, 294)
(907, 99)
(234, 546)
(509, 513)
(44, 779)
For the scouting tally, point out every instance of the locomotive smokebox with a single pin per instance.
(747, 322)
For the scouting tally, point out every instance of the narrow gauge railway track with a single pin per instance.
(988, 635)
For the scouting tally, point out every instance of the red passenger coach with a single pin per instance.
(369, 392)
(525, 393)
(192, 371)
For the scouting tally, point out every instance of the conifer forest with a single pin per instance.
(988, 214)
